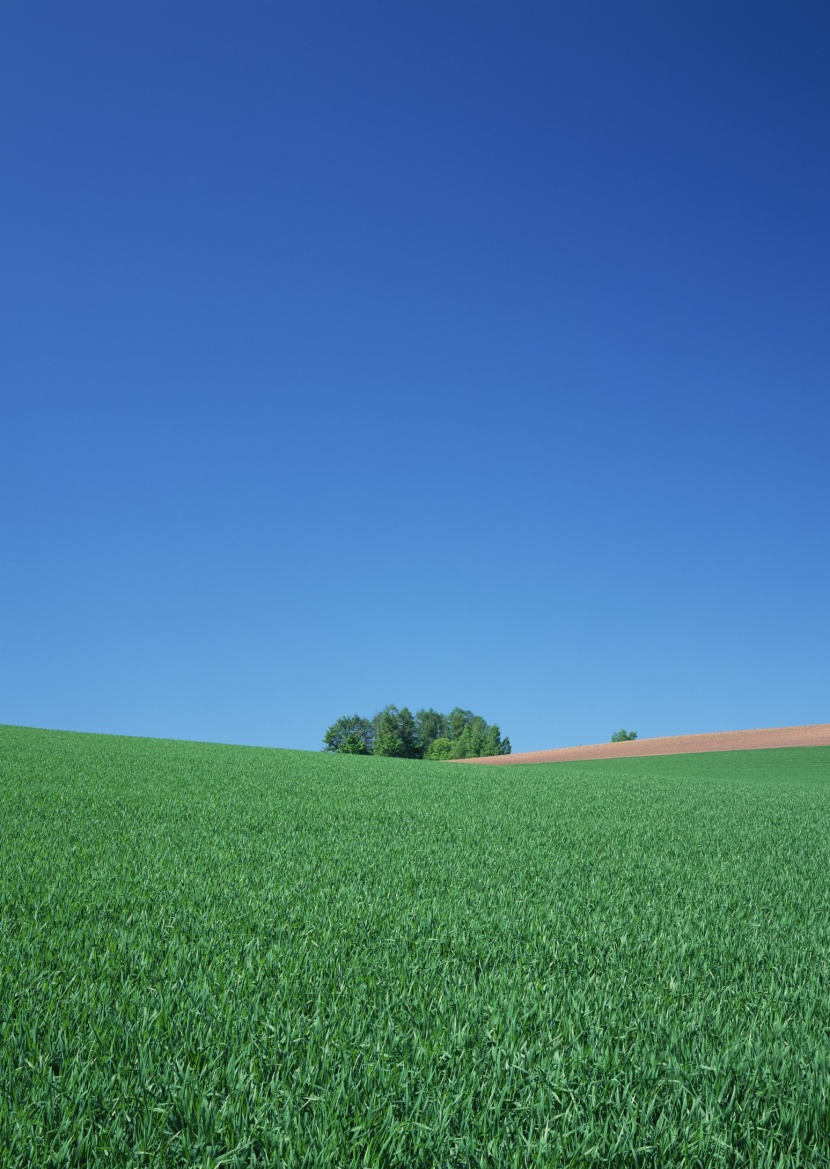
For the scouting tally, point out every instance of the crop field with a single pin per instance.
(232, 956)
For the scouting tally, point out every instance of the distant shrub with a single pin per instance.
(623, 736)
(440, 749)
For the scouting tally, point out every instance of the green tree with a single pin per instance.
(459, 719)
(462, 746)
(623, 736)
(396, 733)
(350, 735)
(494, 744)
(430, 725)
(408, 733)
(387, 743)
(478, 737)
(387, 739)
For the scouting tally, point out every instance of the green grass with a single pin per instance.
(229, 956)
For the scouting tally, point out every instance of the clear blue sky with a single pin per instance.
(426, 353)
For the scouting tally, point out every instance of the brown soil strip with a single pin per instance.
(764, 737)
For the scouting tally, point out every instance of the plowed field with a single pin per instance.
(817, 735)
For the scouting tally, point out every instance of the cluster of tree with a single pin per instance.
(428, 734)
(623, 736)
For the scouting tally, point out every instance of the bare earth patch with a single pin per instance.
(810, 736)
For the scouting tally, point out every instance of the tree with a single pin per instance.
(396, 733)
(462, 746)
(387, 743)
(408, 733)
(429, 726)
(387, 738)
(494, 744)
(458, 720)
(623, 736)
(350, 735)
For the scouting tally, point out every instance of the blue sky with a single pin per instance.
(428, 353)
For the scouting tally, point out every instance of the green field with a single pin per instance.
(233, 956)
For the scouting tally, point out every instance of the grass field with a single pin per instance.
(230, 956)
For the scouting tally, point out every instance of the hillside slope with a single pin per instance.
(817, 735)
(231, 956)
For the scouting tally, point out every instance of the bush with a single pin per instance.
(623, 736)
(440, 749)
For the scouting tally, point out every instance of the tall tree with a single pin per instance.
(396, 733)
(387, 738)
(430, 725)
(408, 732)
(494, 744)
(458, 720)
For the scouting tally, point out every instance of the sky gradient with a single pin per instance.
(436, 354)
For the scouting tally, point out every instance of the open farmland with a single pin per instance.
(764, 738)
(230, 956)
